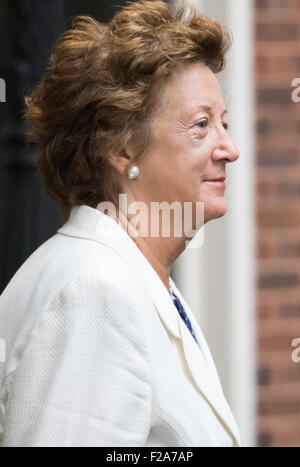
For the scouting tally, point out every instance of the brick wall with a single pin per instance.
(278, 220)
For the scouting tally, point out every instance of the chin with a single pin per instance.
(214, 210)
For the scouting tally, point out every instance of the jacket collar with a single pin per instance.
(90, 223)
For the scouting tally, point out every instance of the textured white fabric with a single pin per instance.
(97, 354)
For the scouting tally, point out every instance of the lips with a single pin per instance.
(221, 179)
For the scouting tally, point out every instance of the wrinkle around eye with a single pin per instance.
(181, 126)
(199, 134)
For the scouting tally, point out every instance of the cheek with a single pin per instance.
(199, 153)
(199, 166)
(180, 162)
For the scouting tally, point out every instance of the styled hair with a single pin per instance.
(102, 90)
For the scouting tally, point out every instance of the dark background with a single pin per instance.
(28, 29)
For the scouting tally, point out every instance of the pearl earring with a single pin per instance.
(133, 172)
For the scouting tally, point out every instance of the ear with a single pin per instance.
(120, 161)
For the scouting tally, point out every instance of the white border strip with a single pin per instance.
(233, 341)
(242, 221)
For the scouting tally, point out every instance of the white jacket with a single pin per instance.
(97, 353)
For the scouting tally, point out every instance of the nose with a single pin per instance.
(225, 148)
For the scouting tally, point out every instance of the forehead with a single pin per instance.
(192, 87)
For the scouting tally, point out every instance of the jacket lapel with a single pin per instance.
(204, 371)
(90, 223)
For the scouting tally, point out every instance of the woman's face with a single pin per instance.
(192, 144)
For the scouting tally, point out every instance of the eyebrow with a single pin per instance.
(209, 109)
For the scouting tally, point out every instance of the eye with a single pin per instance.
(202, 124)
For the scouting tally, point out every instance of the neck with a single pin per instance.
(161, 251)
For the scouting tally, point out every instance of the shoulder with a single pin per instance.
(93, 302)
(89, 317)
(63, 260)
(100, 291)
(68, 279)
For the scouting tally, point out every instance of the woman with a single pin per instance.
(102, 348)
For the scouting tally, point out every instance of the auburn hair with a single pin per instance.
(102, 90)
